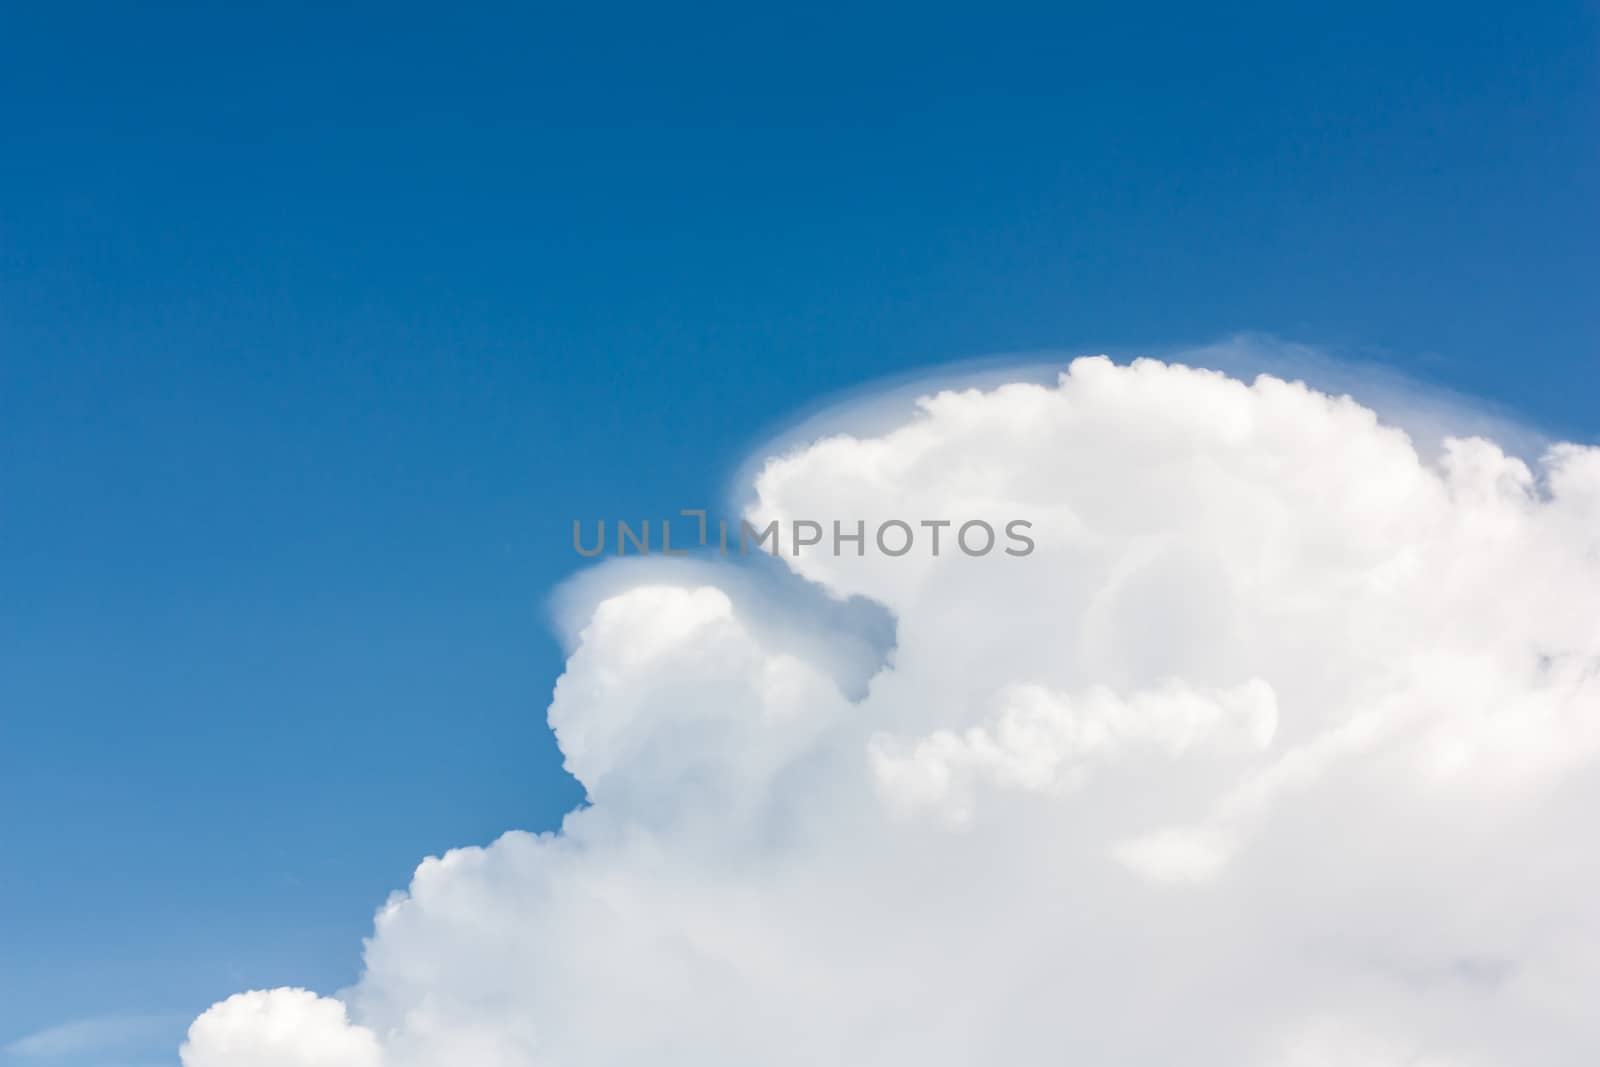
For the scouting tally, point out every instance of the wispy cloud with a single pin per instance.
(101, 1035)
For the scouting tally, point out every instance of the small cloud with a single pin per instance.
(102, 1035)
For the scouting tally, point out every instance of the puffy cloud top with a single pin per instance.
(279, 1028)
(1277, 750)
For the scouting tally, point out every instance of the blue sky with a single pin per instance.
(318, 328)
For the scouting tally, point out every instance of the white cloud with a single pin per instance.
(102, 1037)
(1279, 750)
(1045, 741)
(280, 1028)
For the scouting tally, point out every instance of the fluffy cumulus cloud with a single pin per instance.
(1278, 750)
(277, 1028)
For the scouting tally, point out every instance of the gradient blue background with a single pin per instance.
(318, 326)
